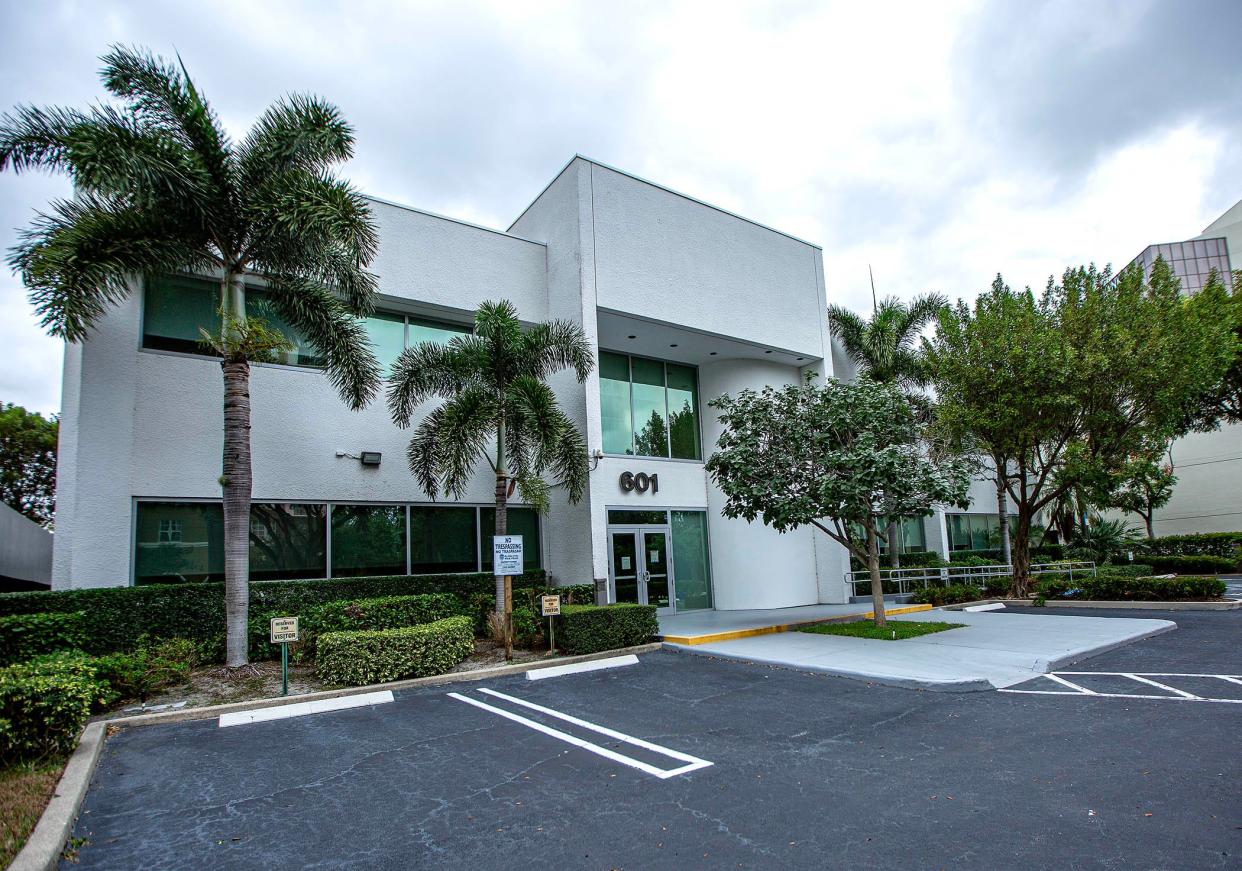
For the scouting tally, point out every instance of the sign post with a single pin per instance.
(284, 630)
(507, 562)
(551, 608)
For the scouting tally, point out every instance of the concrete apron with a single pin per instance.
(994, 650)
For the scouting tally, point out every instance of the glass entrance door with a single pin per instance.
(640, 568)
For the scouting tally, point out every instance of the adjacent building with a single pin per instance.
(683, 302)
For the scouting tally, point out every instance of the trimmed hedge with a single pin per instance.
(45, 703)
(23, 636)
(950, 595)
(592, 628)
(120, 615)
(385, 612)
(1190, 563)
(1113, 588)
(1126, 570)
(377, 656)
(1218, 544)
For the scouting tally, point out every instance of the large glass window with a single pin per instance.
(614, 397)
(691, 562)
(387, 336)
(259, 305)
(174, 310)
(519, 521)
(973, 531)
(425, 330)
(368, 540)
(649, 408)
(178, 542)
(443, 539)
(288, 541)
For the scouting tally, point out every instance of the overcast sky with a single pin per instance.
(939, 142)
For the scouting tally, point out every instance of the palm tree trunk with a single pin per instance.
(237, 487)
(873, 567)
(504, 583)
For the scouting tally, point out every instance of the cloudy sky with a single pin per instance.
(938, 142)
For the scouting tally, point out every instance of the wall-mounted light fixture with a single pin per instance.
(367, 458)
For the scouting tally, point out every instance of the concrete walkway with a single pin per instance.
(995, 649)
(697, 627)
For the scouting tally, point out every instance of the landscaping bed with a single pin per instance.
(25, 790)
(894, 630)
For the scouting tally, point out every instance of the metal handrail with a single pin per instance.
(924, 576)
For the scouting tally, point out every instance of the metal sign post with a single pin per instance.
(551, 607)
(284, 630)
(507, 562)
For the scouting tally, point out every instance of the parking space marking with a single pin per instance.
(693, 763)
(301, 709)
(1145, 677)
(580, 667)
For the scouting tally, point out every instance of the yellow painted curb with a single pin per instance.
(783, 627)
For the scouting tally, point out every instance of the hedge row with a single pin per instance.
(23, 636)
(119, 616)
(1112, 588)
(1191, 563)
(377, 656)
(385, 612)
(592, 628)
(1218, 544)
(953, 594)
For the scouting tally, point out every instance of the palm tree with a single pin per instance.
(497, 407)
(159, 188)
(885, 349)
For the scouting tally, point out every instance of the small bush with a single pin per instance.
(74, 664)
(525, 627)
(1190, 563)
(950, 595)
(592, 628)
(1140, 589)
(375, 656)
(153, 666)
(386, 612)
(1126, 570)
(42, 711)
(23, 636)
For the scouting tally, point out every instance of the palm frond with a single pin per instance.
(449, 441)
(332, 330)
(299, 132)
(429, 369)
(557, 345)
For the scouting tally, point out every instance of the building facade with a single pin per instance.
(682, 301)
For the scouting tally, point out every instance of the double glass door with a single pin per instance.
(639, 564)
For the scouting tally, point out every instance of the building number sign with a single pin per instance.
(641, 483)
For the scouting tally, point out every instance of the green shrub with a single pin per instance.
(1125, 570)
(1113, 588)
(43, 709)
(23, 636)
(1190, 563)
(153, 666)
(592, 628)
(375, 656)
(120, 615)
(385, 612)
(976, 558)
(953, 594)
(526, 627)
(1218, 544)
(74, 664)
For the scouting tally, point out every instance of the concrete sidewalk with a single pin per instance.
(702, 627)
(995, 649)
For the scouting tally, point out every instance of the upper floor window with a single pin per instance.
(649, 408)
(176, 308)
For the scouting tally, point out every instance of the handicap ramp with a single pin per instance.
(994, 649)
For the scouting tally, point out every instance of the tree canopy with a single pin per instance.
(28, 462)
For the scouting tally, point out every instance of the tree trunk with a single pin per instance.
(894, 556)
(1147, 520)
(873, 566)
(1002, 508)
(1021, 583)
(504, 583)
(237, 486)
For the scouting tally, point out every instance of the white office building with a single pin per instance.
(683, 301)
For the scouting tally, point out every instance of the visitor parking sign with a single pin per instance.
(507, 554)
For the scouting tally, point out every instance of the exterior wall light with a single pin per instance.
(367, 458)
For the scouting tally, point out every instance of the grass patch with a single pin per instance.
(896, 630)
(25, 790)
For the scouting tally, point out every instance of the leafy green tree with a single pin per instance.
(1072, 383)
(1223, 403)
(160, 188)
(1144, 484)
(497, 407)
(839, 457)
(28, 462)
(886, 350)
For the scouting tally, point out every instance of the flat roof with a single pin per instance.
(504, 233)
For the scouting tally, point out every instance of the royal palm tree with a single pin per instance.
(497, 407)
(160, 188)
(886, 350)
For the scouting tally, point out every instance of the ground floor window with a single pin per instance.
(973, 531)
(177, 542)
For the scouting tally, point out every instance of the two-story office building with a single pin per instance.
(683, 301)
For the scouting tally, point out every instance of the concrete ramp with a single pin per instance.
(994, 649)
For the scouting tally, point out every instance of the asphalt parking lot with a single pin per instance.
(798, 770)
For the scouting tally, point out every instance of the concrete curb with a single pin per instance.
(966, 685)
(1226, 605)
(793, 626)
(206, 713)
(1088, 652)
(43, 848)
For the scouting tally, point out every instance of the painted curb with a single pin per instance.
(734, 634)
(963, 685)
(206, 713)
(43, 848)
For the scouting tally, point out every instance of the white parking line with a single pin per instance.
(693, 763)
(1139, 677)
(301, 709)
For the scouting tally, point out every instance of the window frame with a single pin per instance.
(668, 435)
